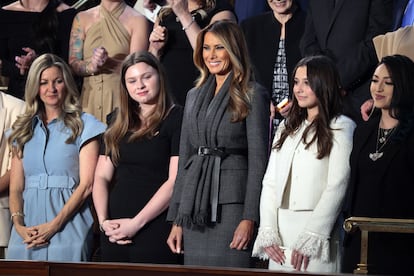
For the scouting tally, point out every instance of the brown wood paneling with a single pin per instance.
(24, 268)
(31, 268)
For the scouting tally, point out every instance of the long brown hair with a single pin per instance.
(323, 78)
(232, 38)
(128, 114)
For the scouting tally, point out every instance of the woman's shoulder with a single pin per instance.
(91, 12)
(10, 15)
(63, 7)
(133, 19)
(92, 127)
(343, 126)
(259, 90)
(14, 6)
(191, 94)
(174, 117)
(132, 14)
(9, 100)
(256, 20)
(91, 121)
(176, 111)
(222, 5)
(67, 12)
(343, 121)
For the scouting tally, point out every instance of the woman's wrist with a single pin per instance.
(16, 214)
(189, 24)
(101, 226)
(186, 21)
(17, 218)
(88, 70)
(155, 51)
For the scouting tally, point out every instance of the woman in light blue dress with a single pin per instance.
(55, 150)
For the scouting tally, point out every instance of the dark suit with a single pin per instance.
(247, 8)
(240, 175)
(384, 189)
(399, 9)
(262, 36)
(344, 32)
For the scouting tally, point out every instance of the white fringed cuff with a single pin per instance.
(313, 245)
(265, 237)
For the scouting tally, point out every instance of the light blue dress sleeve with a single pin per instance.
(92, 127)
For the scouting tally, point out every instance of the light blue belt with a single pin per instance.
(44, 181)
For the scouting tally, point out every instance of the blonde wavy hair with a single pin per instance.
(22, 129)
(232, 39)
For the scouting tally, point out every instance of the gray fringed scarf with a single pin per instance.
(207, 112)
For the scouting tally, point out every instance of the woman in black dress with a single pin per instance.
(140, 157)
(382, 169)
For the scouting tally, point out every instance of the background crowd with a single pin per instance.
(216, 133)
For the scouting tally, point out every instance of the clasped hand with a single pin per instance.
(120, 231)
(37, 236)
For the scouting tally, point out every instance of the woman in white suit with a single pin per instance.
(10, 108)
(307, 175)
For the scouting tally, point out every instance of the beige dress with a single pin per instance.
(100, 93)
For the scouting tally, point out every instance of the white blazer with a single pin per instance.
(317, 185)
(10, 107)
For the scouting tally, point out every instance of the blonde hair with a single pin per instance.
(232, 38)
(22, 129)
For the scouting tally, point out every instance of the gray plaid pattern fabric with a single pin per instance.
(280, 79)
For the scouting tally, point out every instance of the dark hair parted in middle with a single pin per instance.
(324, 80)
(400, 69)
(232, 39)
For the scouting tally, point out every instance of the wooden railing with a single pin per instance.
(33, 268)
(367, 225)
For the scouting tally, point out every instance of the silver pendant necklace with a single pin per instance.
(382, 138)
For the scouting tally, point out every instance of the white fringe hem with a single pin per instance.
(314, 246)
(265, 238)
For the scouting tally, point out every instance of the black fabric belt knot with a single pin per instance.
(221, 152)
(204, 151)
(218, 153)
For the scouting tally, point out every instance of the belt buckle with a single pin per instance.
(202, 151)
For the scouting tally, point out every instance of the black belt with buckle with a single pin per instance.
(218, 153)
